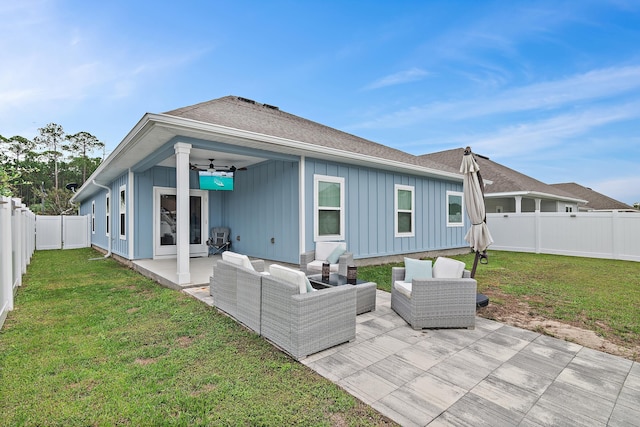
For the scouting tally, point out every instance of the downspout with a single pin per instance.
(108, 254)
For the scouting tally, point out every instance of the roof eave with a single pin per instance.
(535, 194)
(179, 125)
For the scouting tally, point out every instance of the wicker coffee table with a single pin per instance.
(365, 291)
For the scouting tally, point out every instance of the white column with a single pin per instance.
(538, 204)
(518, 204)
(301, 206)
(182, 212)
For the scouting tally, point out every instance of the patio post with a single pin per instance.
(182, 212)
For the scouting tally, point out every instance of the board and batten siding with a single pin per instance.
(161, 176)
(370, 211)
(262, 211)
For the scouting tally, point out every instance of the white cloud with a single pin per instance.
(625, 189)
(536, 136)
(407, 76)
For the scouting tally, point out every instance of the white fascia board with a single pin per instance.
(301, 148)
(120, 151)
(534, 194)
(188, 127)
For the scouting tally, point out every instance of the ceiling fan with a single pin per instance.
(212, 167)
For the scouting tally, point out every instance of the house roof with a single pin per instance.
(505, 181)
(596, 201)
(247, 125)
(242, 113)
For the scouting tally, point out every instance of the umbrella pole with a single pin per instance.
(475, 264)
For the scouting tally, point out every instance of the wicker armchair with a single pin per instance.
(237, 290)
(304, 323)
(311, 261)
(435, 303)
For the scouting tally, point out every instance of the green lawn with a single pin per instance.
(595, 294)
(94, 343)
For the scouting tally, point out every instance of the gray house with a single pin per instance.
(595, 201)
(510, 190)
(288, 183)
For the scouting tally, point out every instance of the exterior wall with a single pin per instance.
(144, 182)
(370, 211)
(262, 211)
(507, 204)
(99, 234)
(119, 246)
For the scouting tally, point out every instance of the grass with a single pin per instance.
(595, 294)
(94, 343)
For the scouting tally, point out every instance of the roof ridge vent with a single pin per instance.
(250, 101)
(271, 107)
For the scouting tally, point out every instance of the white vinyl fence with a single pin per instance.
(62, 232)
(17, 243)
(611, 235)
(21, 233)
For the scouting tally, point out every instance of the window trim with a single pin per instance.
(107, 201)
(93, 217)
(316, 208)
(122, 211)
(456, 224)
(396, 211)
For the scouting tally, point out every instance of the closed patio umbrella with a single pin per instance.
(478, 235)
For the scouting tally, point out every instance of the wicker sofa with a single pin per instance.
(311, 261)
(236, 288)
(442, 302)
(302, 322)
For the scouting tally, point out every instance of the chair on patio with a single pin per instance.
(236, 288)
(302, 321)
(444, 297)
(335, 253)
(219, 240)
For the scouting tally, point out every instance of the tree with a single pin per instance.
(83, 143)
(51, 136)
(636, 205)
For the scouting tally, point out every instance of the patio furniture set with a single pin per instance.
(302, 311)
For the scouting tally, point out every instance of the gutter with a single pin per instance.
(108, 254)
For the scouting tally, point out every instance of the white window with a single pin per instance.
(93, 217)
(123, 212)
(455, 213)
(568, 208)
(328, 203)
(404, 211)
(108, 214)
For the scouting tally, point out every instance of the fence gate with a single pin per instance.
(62, 232)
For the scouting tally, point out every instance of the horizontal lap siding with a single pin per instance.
(370, 211)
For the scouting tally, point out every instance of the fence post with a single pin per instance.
(615, 238)
(6, 265)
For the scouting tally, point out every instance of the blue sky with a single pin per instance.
(549, 88)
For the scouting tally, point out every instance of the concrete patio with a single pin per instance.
(493, 375)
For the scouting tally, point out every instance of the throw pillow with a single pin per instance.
(447, 268)
(335, 254)
(291, 276)
(416, 269)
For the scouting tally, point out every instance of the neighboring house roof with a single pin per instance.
(596, 201)
(505, 181)
(240, 122)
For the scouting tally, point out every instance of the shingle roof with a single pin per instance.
(596, 200)
(241, 113)
(505, 180)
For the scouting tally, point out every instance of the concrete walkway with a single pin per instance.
(494, 375)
